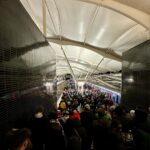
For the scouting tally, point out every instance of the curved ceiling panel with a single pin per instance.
(107, 27)
(78, 53)
(52, 18)
(62, 71)
(41, 15)
(83, 54)
(132, 37)
(75, 18)
(32, 8)
(111, 65)
(83, 22)
(93, 34)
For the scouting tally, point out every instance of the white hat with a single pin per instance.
(132, 113)
(87, 106)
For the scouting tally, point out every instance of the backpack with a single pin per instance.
(75, 141)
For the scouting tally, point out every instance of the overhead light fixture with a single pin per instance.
(130, 79)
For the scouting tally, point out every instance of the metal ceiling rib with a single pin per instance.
(70, 67)
(64, 67)
(81, 62)
(90, 25)
(104, 83)
(101, 51)
(49, 12)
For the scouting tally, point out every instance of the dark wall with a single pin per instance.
(26, 63)
(136, 76)
(16, 27)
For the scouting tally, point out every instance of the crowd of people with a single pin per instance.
(84, 121)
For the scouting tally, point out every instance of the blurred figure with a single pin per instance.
(87, 118)
(62, 106)
(74, 115)
(141, 130)
(132, 113)
(19, 139)
(55, 134)
(38, 126)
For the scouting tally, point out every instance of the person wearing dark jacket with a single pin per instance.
(87, 118)
(19, 139)
(38, 126)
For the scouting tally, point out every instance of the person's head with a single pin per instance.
(101, 112)
(112, 108)
(19, 139)
(87, 107)
(39, 109)
(132, 113)
(39, 112)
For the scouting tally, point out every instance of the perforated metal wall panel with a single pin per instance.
(26, 61)
(136, 77)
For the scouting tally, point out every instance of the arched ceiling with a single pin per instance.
(137, 4)
(89, 36)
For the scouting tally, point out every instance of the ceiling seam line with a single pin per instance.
(120, 8)
(71, 70)
(85, 65)
(44, 17)
(128, 30)
(106, 52)
(100, 51)
(81, 69)
(95, 67)
(60, 24)
(33, 14)
(85, 62)
(107, 84)
(60, 36)
(90, 25)
(123, 34)
(50, 16)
